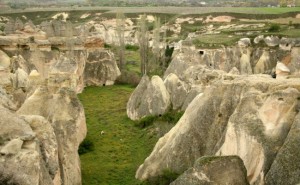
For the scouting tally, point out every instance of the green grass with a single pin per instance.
(215, 40)
(122, 148)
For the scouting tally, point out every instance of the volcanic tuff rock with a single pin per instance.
(101, 68)
(149, 98)
(252, 117)
(66, 115)
(209, 170)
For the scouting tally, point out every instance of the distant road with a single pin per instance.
(168, 10)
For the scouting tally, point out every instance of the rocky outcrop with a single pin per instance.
(66, 115)
(246, 116)
(101, 68)
(149, 98)
(214, 170)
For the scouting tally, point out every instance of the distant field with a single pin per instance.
(171, 10)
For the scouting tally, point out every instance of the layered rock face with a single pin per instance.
(253, 117)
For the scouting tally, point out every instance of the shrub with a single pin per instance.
(86, 146)
(170, 117)
(128, 77)
(107, 45)
(274, 28)
(165, 178)
(146, 121)
(131, 47)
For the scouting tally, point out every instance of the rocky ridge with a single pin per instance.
(231, 110)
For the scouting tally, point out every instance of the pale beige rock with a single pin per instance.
(12, 147)
(4, 60)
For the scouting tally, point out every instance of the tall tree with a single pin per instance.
(156, 42)
(120, 30)
(143, 39)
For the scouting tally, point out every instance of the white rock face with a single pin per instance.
(149, 98)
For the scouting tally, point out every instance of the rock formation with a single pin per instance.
(214, 170)
(149, 98)
(101, 68)
(246, 116)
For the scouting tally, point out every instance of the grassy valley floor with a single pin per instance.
(122, 146)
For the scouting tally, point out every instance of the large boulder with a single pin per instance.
(149, 98)
(101, 68)
(245, 116)
(210, 170)
(63, 73)
(272, 41)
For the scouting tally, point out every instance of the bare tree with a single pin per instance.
(120, 29)
(143, 39)
(156, 42)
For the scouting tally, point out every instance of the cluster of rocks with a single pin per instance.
(42, 124)
(227, 113)
(42, 121)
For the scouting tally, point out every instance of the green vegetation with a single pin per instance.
(121, 147)
(171, 117)
(164, 179)
(86, 146)
(131, 47)
(215, 40)
(274, 28)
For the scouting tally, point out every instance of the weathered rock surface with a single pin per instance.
(245, 116)
(101, 68)
(214, 170)
(149, 98)
(177, 90)
(66, 115)
(4, 61)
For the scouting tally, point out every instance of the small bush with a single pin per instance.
(146, 121)
(274, 28)
(128, 77)
(172, 116)
(131, 47)
(86, 146)
(107, 45)
(165, 178)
